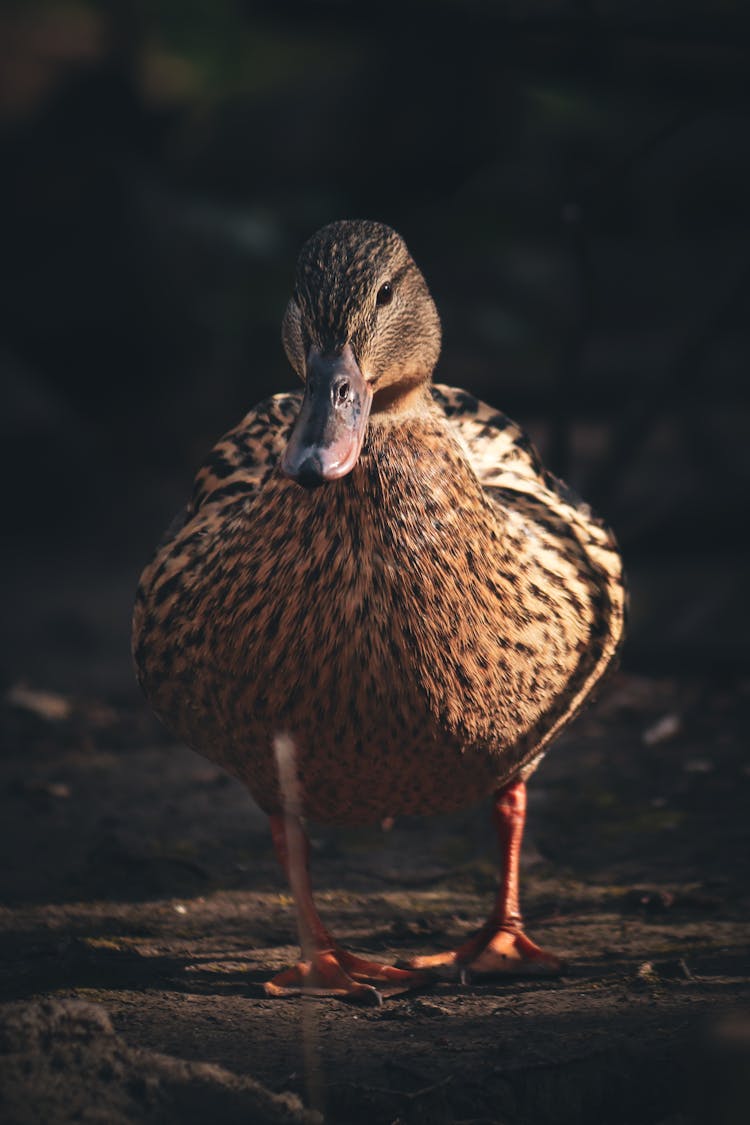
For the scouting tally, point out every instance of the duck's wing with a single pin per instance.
(237, 466)
(505, 461)
(241, 462)
(568, 540)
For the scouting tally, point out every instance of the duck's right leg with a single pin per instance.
(326, 968)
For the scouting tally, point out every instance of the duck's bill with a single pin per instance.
(327, 437)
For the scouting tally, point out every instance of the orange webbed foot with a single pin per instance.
(338, 973)
(490, 953)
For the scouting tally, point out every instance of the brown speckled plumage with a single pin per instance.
(422, 627)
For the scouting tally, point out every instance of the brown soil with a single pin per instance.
(144, 910)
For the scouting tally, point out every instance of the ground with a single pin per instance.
(143, 911)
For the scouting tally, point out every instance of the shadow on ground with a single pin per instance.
(144, 911)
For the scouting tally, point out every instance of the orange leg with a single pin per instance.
(325, 968)
(500, 946)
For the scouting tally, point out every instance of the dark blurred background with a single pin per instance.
(573, 178)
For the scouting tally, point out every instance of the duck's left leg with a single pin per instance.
(501, 946)
(326, 968)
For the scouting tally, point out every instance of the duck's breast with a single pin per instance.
(418, 636)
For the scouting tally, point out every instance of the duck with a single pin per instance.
(378, 603)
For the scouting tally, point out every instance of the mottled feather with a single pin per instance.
(422, 628)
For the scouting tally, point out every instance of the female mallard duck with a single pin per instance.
(417, 621)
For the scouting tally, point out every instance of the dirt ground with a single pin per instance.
(143, 910)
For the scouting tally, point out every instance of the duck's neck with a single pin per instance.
(412, 460)
(408, 396)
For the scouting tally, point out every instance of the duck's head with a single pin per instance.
(363, 333)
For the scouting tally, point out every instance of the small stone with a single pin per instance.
(663, 730)
(47, 705)
(59, 789)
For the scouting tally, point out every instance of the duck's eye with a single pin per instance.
(385, 294)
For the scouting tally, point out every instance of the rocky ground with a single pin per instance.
(143, 910)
